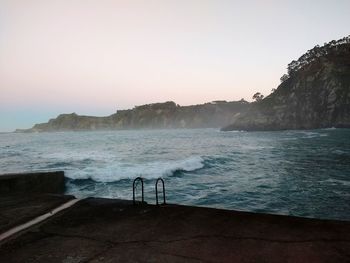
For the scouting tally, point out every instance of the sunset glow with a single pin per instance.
(94, 57)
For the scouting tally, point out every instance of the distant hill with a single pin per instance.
(151, 116)
(314, 94)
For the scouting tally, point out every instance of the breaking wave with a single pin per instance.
(151, 170)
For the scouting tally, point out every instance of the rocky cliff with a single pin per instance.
(151, 116)
(315, 94)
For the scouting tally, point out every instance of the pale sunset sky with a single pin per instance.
(93, 57)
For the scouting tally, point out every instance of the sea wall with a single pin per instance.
(28, 183)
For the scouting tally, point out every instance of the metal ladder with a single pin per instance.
(161, 180)
(134, 189)
(134, 185)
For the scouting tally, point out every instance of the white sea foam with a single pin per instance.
(337, 181)
(117, 171)
(75, 155)
(339, 152)
(243, 172)
(309, 135)
(233, 131)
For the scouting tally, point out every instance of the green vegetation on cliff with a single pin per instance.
(314, 94)
(151, 116)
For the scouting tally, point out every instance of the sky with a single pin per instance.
(94, 57)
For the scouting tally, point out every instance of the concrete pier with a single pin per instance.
(104, 230)
(40, 224)
(29, 183)
(19, 209)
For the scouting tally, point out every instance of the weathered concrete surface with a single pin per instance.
(18, 209)
(28, 183)
(101, 230)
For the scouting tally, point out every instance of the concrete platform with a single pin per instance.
(32, 183)
(18, 209)
(102, 230)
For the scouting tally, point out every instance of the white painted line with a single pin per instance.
(37, 220)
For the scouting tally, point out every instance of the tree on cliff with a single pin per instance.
(258, 96)
(284, 78)
(316, 53)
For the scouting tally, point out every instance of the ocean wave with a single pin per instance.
(76, 155)
(231, 131)
(9, 154)
(337, 181)
(217, 161)
(340, 152)
(151, 170)
(310, 135)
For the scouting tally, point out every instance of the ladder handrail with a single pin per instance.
(134, 187)
(160, 179)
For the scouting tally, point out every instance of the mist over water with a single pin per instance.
(303, 173)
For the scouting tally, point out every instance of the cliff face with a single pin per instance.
(151, 116)
(314, 96)
(65, 122)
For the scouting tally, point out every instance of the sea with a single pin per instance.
(299, 173)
